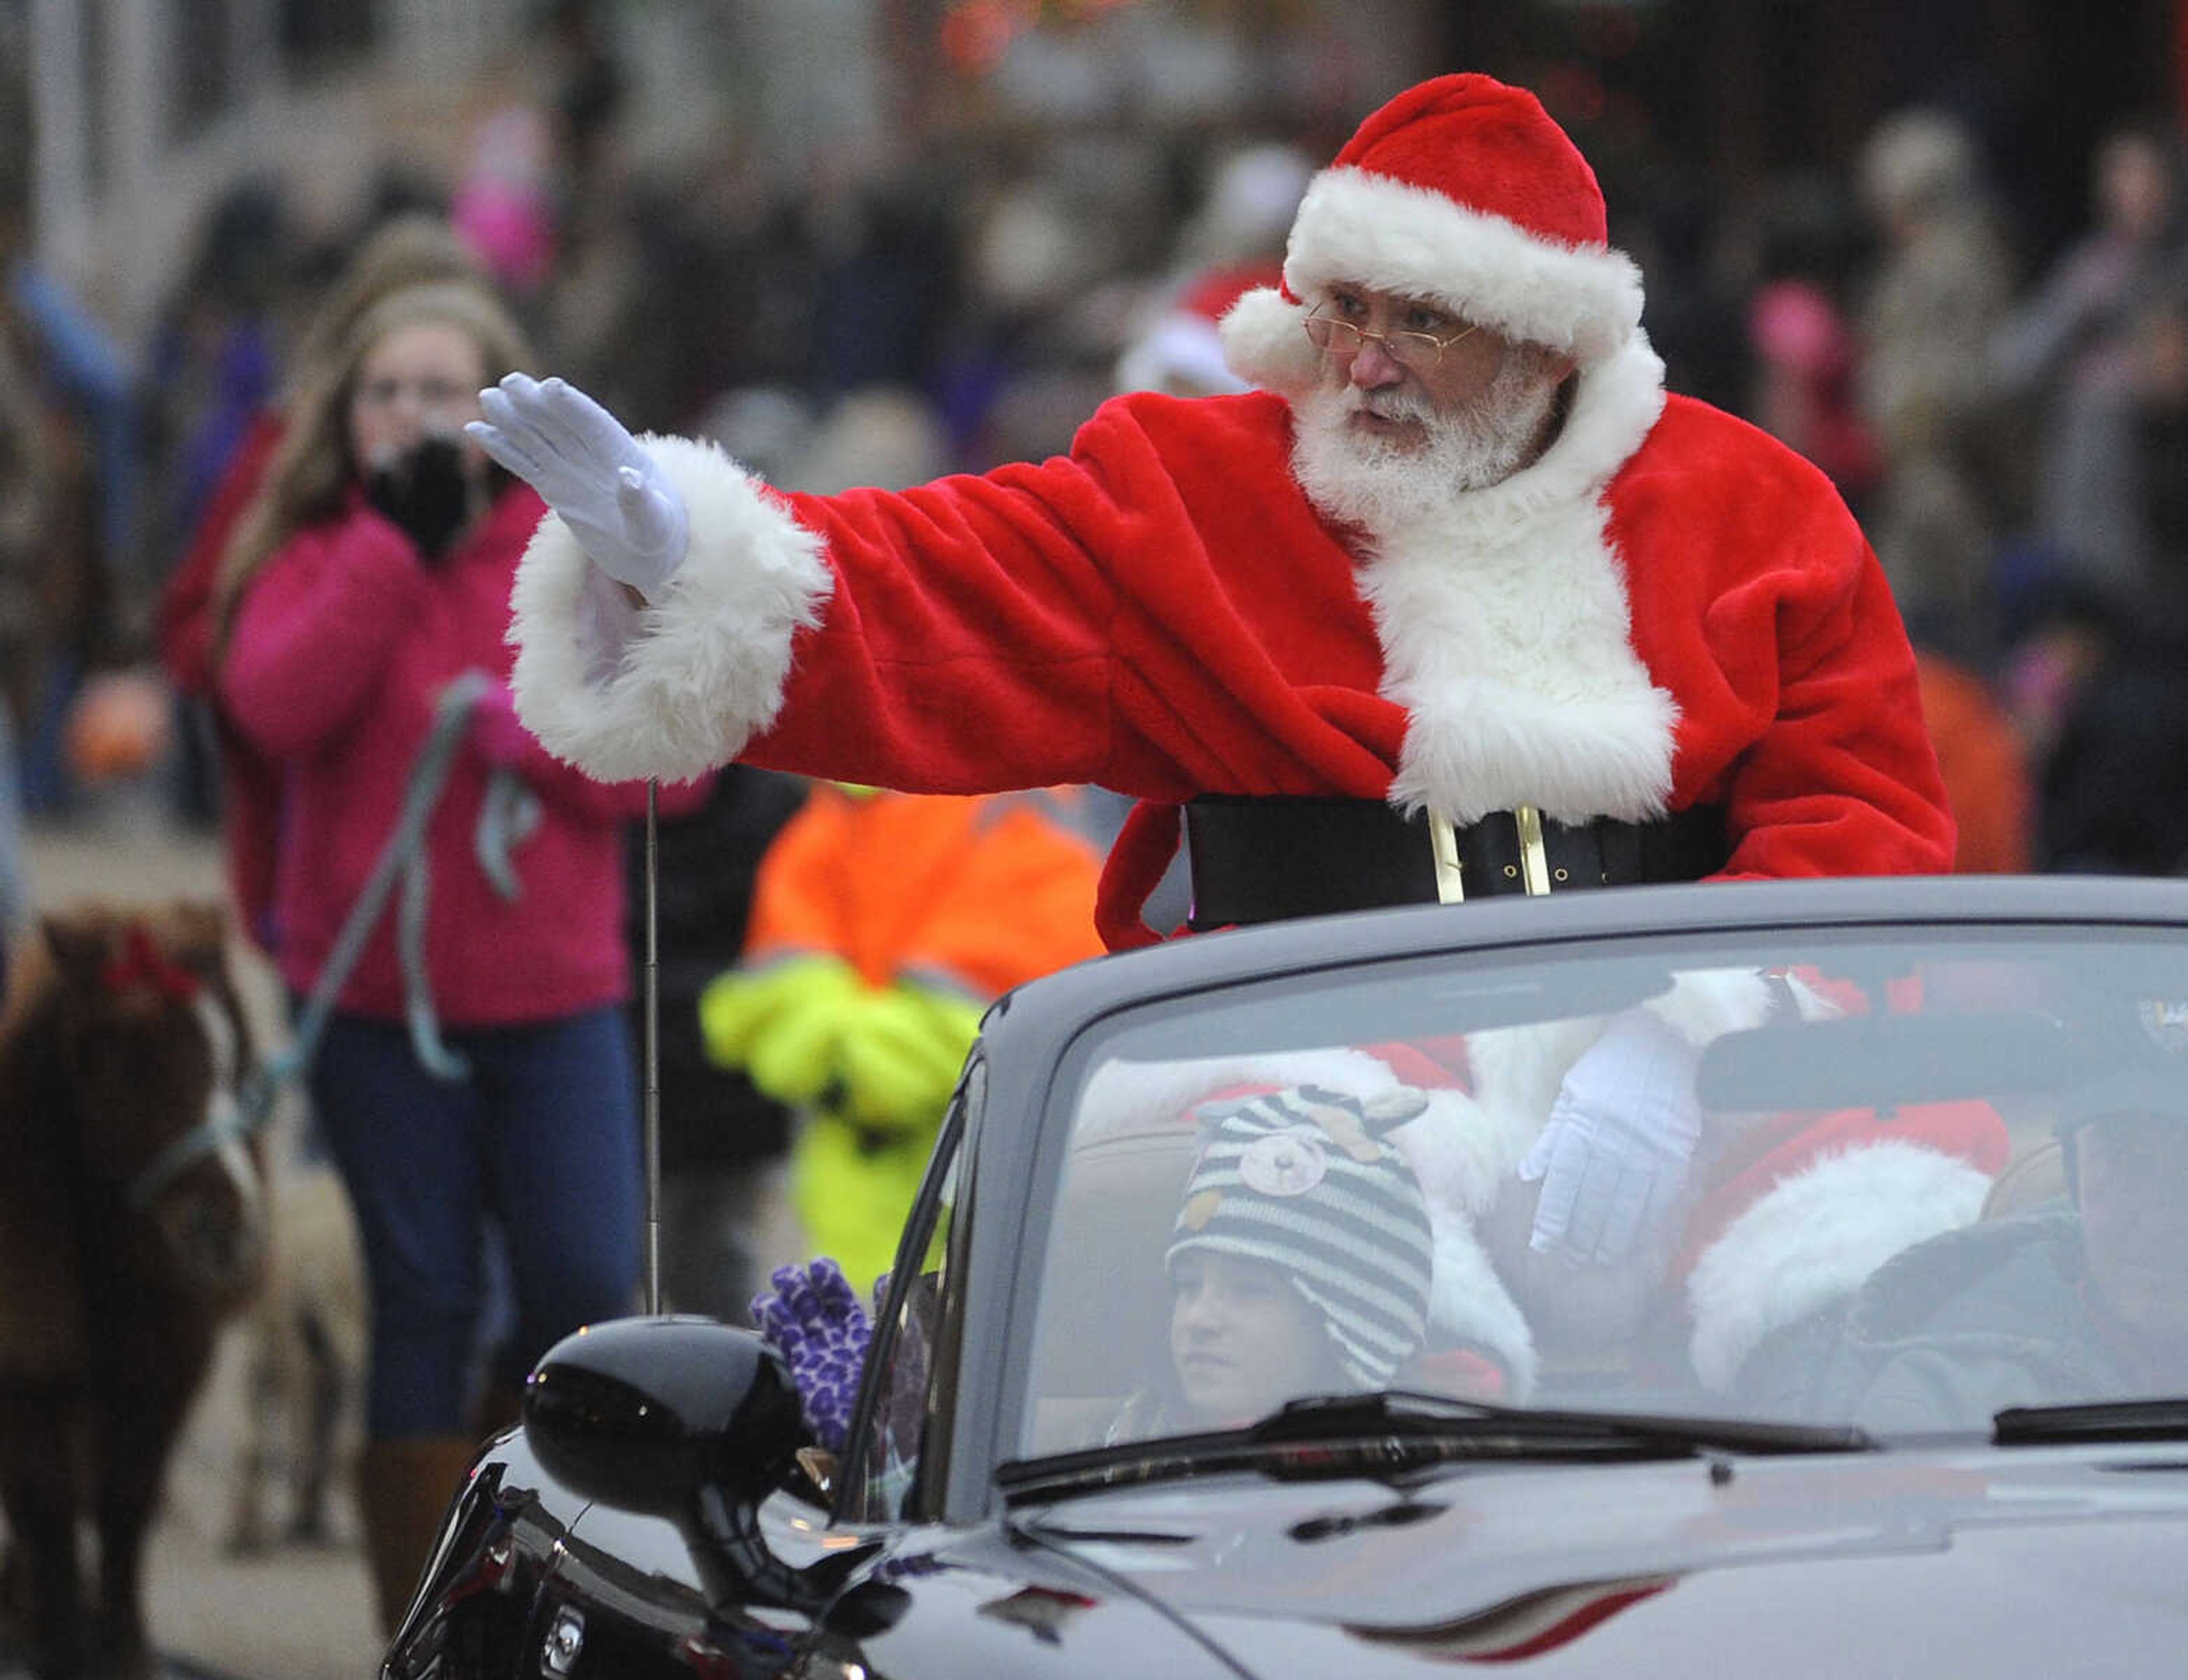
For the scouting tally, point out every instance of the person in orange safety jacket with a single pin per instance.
(882, 924)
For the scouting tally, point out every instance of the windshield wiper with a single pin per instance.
(2100, 1421)
(1354, 1434)
(1410, 1415)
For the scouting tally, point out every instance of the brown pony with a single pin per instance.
(131, 1225)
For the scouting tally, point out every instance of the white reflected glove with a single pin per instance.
(609, 492)
(1614, 1156)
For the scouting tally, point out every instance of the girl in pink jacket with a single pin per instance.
(371, 575)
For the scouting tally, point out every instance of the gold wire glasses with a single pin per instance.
(1417, 351)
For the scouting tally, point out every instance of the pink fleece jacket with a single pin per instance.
(341, 647)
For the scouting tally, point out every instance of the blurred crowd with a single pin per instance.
(2009, 424)
(2006, 424)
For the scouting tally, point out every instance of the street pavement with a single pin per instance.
(294, 1612)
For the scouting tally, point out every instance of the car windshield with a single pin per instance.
(1900, 1180)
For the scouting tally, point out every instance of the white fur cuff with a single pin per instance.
(705, 665)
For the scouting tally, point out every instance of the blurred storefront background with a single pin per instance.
(850, 236)
(134, 114)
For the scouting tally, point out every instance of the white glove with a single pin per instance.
(1614, 1156)
(609, 492)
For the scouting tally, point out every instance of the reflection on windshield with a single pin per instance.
(1833, 1180)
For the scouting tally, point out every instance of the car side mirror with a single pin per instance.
(639, 1412)
(681, 1417)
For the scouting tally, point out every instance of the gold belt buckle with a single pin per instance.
(1534, 856)
(1443, 846)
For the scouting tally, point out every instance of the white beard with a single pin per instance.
(1383, 487)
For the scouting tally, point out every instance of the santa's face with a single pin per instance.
(1411, 361)
(1383, 441)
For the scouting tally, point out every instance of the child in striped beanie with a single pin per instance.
(1301, 1258)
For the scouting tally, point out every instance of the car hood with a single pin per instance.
(1975, 1559)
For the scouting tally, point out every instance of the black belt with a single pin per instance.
(1266, 858)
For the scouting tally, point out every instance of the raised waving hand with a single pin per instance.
(611, 493)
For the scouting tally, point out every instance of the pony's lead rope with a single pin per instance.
(399, 855)
(652, 1053)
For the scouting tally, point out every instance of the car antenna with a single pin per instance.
(651, 1052)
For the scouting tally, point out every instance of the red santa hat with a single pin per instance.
(1462, 192)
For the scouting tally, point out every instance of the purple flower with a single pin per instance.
(813, 1320)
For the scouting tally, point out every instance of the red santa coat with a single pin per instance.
(1668, 609)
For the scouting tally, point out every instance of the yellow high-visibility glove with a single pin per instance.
(781, 1023)
(899, 1057)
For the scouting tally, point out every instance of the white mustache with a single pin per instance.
(1391, 405)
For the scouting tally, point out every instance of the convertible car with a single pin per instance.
(1772, 1277)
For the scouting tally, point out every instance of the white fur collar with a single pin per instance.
(1507, 637)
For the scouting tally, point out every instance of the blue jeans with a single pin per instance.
(542, 1139)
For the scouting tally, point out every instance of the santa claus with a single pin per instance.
(1458, 602)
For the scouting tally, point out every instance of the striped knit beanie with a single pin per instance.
(1301, 1179)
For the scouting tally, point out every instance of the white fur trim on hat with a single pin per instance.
(1815, 1238)
(1264, 344)
(706, 665)
(1390, 236)
(1354, 228)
